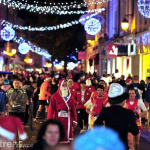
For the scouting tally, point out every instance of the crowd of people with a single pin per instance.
(78, 99)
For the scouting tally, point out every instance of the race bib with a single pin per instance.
(62, 114)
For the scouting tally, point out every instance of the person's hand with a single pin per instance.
(75, 124)
(12, 102)
(92, 113)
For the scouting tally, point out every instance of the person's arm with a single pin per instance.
(51, 108)
(45, 88)
(74, 114)
(2, 105)
(143, 108)
(133, 128)
(101, 118)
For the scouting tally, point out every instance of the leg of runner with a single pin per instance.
(38, 114)
(137, 141)
(130, 141)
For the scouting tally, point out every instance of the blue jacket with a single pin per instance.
(2, 103)
(147, 98)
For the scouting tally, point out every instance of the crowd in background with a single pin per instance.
(25, 90)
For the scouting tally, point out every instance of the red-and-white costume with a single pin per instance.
(73, 92)
(136, 107)
(64, 111)
(80, 103)
(95, 105)
(90, 88)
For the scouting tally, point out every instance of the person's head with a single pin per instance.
(142, 82)
(136, 79)
(88, 82)
(116, 94)
(16, 84)
(132, 94)
(32, 78)
(64, 89)
(148, 80)
(116, 71)
(113, 79)
(34, 84)
(1, 80)
(83, 85)
(70, 83)
(102, 82)
(51, 132)
(42, 76)
(100, 142)
(100, 90)
(48, 79)
(122, 77)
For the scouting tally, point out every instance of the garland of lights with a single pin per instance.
(33, 47)
(50, 28)
(55, 9)
(144, 7)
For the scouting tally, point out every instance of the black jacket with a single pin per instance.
(119, 119)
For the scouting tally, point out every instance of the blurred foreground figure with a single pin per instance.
(9, 127)
(49, 135)
(100, 138)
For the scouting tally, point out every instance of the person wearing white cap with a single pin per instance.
(116, 117)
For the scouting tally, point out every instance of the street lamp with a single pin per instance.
(125, 24)
(14, 51)
(30, 60)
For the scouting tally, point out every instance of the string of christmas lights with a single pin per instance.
(56, 8)
(33, 47)
(48, 28)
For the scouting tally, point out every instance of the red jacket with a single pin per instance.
(90, 88)
(58, 104)
(79, 103)
(45, 91)
(73, 92)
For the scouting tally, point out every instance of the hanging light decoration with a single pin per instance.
(24, 48)
(46, 8)
(7, 33)
(33, 47)
(50, 28)
(92, 26)
(144, 7)
(125, 24)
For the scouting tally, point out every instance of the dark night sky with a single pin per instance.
(62, 40)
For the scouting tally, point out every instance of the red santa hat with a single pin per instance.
(9, 126)
(47, 77)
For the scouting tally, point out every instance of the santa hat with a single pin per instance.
(47, 78)
(9, 126)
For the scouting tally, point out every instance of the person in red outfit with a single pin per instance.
(95, 105)
(83, 96)
(136, 105)
(72, 89)
(89, 86)
(62, 108)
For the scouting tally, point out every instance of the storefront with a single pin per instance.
(143, 46)
(120, 56)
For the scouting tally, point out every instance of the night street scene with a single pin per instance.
(74, 74)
